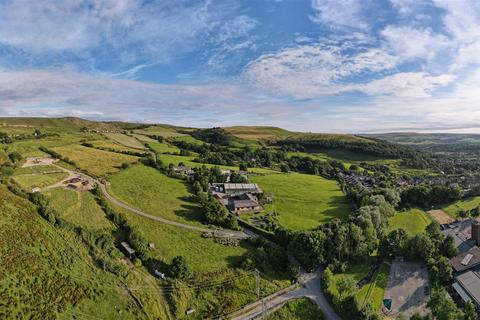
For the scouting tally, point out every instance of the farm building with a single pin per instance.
(244, 203)
(467, 287)
(467, 260)
(129, 251)
(235, 188)
(183, 170)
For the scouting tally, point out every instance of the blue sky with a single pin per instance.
(306, 65)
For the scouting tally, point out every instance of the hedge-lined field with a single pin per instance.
(97, 162)
(303, 201)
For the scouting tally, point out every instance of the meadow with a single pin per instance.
(97, 162)
(464, 204)
(109, 144)
(30, 181)
(159, 130)
(158, 147)
(303, 201)
(412, 221)
(125, 140)
(149, 190)
(79, 208)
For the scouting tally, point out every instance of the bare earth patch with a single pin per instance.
(39, 161)
(441, 216)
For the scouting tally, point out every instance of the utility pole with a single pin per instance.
(257, 282)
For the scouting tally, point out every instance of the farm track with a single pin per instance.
(219, 233)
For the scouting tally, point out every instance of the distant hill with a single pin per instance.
(433, 141)
(66, 122)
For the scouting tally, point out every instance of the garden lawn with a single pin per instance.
(464, 204)
(125, 140)
(374, 292)
(412, 221)
(97, 162)
(79, 208)
(303, 201)
(31, 181)
(149, 190)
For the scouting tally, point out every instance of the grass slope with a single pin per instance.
(375, 291)
(464, 204)
(97, 162)
(147, 189)
(79, 208)
(125, 140)
(413, 221)
(47, 274)
(303, 201)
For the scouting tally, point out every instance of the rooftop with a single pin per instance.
(470, 283)
(466, 260)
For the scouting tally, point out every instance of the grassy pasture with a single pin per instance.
(109, 144)
(79, 208)
(37, 170)
(30, 181)
(258, 133)
(3, 157)
(97, 162)
(163, 147)
(464, 204)
(147, 189)
(125, 140)
(303, 201)
(176, 159)
(159, 130)
(413, 221)
(188, 139)
(143, 138)
(30, 147)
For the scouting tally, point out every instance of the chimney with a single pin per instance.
(476, 231)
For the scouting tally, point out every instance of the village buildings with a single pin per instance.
(237, 197)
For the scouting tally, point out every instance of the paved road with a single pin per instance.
(311, 289)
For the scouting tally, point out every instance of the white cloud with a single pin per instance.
(409, 84)
(340, 13)
(407, 42)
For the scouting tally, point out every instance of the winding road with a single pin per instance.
(311, 287)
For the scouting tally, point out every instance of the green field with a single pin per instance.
(125, 140)
(147, 189)
(158, 147)
(30, 147)
(413, 221)
(79, 208)
(109, 144)
(143, 138)
(159, 130)
(464, 204)
(298, 309)
(47, 273)
(97, 162)
(37, 169)
(303, 201)
(30, 181)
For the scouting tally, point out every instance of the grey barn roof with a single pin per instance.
(127, 247)
(470, 282)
